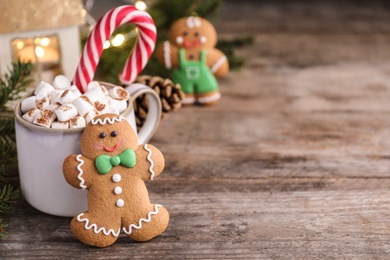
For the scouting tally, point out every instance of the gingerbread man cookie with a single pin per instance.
(114, 168)
(191, 53)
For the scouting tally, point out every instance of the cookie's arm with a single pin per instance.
(150, 161)
(168, 55)
(217, 62)
(75, 173)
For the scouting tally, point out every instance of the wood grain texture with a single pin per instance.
(293, 163)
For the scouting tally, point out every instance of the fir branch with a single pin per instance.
(8, 197)
(11, 86)
(3, 234)
(228, 47)
(7, 126)
(165, 13)
(8, 155)
(14, 82)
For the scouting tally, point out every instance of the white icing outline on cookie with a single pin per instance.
(208, 99)
(188, 100)
(193, 22)
(218, 64)
(179, 40)
(106, 120)
(81, 162)
(167, 55)
(131, 226)
(150, 160)
(95, 227)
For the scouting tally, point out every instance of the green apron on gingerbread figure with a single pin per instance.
(194, 76)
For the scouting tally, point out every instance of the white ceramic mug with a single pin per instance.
(41, 152)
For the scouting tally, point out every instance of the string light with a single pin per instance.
(44, 41)
(83, 12)
(106, 45)
(140, 5)
(20, 45)
(118, 40)
(39, 52)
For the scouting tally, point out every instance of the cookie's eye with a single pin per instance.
(102, 135)
(185, 33)
(196, 34)
(114, 133)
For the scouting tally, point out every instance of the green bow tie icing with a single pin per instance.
(104, 163)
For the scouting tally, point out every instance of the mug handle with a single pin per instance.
(154, 114)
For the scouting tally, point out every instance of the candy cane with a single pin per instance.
(103, 30)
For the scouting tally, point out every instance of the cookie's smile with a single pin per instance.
(108, 149)
(190, 45)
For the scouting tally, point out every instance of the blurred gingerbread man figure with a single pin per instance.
(191, 53)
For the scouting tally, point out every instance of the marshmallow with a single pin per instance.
(89, 116)
(45, 118)
(95, 94)
(62, 105)
(83, 105)
(104, 89)
(41, 102)
(101, 107)
(30, 115)
(61, 82)
(118, 104)
(77, 122)
(67, 97)
(113, 110)
(75, 90)
(60, 125)
(66, 112)
(55, 96)
(95, 84)
(51, 107)
(28, 103)
(119, 93)
(43, 89)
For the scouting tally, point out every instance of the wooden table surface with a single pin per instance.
(293, 163)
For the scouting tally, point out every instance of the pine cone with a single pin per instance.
(170, 96)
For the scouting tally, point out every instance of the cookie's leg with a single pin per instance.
(189, 99)
(149, 226)
(92, 231)
(187, 86)
(209, 98)
(207, 92)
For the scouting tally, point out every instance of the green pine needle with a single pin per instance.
(7, 126)
(14, 82)
(8, 155)
(11, 85)
(8, 197)
(3, 234)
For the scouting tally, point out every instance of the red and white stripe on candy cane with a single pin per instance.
(102, 31)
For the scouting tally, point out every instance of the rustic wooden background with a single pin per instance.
(293, 163)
